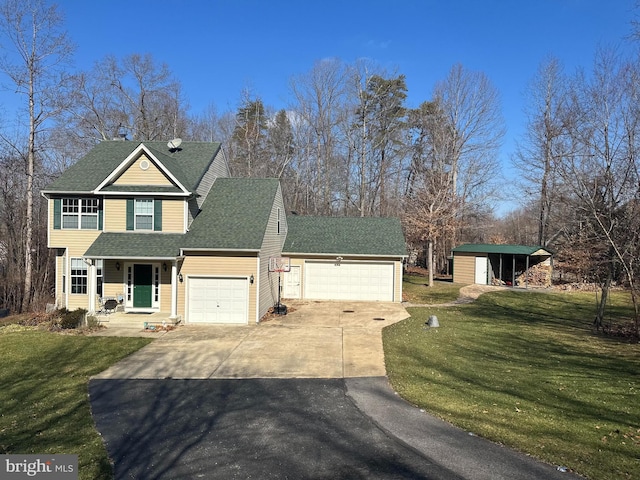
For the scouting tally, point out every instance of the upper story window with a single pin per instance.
(77, 213)
(144, 214)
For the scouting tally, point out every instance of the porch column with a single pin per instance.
(174, 290)
(92, 287)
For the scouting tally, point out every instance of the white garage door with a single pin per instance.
(218, 300)
(368, 281)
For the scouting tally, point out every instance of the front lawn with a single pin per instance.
(525, 369)
(44, 403)
(416, 290)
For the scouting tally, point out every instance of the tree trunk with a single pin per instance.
(430, 261)
(598, 322)
(28, 241)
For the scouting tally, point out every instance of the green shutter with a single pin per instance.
(129, 213)
(157, 215)
(57, 213)
(100, 215)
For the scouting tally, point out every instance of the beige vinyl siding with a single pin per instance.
(64, 237)
(464, 267)
(113, 279)
(271, 247)
(173, 215)
(135, 175)
(397, 281)
(212, 265)
(115, 215)
(60, 297)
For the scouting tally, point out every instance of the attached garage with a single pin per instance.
(349, 280)
(217, 300)
(344, 258)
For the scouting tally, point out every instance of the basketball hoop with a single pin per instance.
(279, 264)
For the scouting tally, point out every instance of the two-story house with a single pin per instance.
(166, 229)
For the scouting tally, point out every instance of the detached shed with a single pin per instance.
(512, 265)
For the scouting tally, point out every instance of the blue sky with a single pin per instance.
(217, 48)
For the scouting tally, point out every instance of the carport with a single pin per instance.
(510, 265)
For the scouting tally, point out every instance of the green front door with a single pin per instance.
(142, 286)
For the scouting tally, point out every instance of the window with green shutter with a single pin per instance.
(77, 213)
(144, 214)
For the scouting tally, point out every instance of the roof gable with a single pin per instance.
(364, 236)
(132, 159)
(186, 166)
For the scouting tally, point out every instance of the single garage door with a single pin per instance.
(349, 280)
(218, 300)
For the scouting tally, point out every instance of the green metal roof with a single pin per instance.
(187, 165)
(234, 216)
(135, 245)
(504, 249)
(375, 236)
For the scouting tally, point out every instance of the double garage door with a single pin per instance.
(218, 300)
(349, 280)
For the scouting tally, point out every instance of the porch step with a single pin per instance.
(134, 320)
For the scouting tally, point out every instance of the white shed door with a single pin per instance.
(218, 300)
(349, 280)
(481, 270)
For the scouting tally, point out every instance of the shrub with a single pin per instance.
(91, 322)
(72, 319)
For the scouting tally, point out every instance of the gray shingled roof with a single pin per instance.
(135, 245)
(234, 216)
(504, 249)
(187, 165)
(374, 236)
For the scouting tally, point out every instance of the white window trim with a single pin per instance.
(136, 214)
(79, 204)
(85, 269)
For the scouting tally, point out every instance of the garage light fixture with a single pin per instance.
(180, 278)
(117, 265)
(251, 279)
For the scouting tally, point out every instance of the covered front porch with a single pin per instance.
(138, 271)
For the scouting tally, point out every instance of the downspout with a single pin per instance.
(257, 287)
(174, 290)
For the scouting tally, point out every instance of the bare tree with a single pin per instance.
(470, 107)
(544, 146)
(319, 106)
(37, 51)
(132, 96)
(603, 170)
(430, 209)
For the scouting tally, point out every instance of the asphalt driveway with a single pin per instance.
(299, 396)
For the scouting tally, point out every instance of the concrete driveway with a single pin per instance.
(314, 340)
